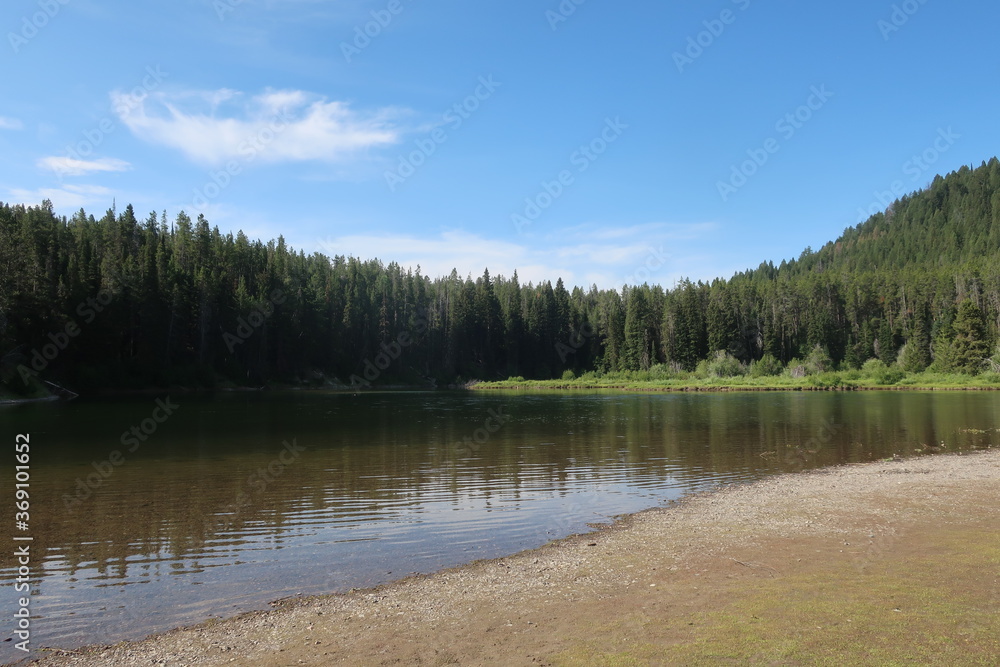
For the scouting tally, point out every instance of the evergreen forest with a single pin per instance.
(123, 302)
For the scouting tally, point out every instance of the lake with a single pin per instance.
(152, 512)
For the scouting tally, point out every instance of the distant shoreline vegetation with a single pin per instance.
(911, 297)
(875, 375)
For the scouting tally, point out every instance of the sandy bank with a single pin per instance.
(881, 563)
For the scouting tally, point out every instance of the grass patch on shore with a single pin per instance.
(931, 601)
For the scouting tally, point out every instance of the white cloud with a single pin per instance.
(68, 166)
(603, 254)
(213, 127)
(659, 253)
(469, 253)
(67, 197)
(10, 123)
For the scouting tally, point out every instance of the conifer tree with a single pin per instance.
(970, 347)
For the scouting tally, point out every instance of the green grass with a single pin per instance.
(846, 380)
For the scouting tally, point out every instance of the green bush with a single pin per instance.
(818, 361)
(828, 379)
(944, 356)
(723, 365)
(912, 358)
(766, 366)
(796, 369)
(568, 375)
(661, 372)
(890, 376)
(990, 377)
(873, 368)
(992, 363)
(876, 369)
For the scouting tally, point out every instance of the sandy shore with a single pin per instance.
(884, 563)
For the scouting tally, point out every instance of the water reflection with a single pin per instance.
(241, 499)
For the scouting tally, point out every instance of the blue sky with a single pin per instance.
(601, 142)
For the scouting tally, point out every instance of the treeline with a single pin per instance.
(122, 302)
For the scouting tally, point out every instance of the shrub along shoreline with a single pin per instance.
(558, 385)
(850, 380)
(724, 372)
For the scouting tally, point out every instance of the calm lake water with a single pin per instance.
(239, 499)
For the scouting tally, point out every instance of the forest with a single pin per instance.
(123, 303)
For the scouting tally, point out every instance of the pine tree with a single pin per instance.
(612, 329)
(690, 338)
(637, 352)
(917, 356)
(489, 324)
(720, 320)
(887, 350)
(970, 347)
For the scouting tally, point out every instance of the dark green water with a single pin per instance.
(207, 517)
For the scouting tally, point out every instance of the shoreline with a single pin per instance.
(675, 582)
(560, 386)
(819, 383)
(487, 386)
(203, 391)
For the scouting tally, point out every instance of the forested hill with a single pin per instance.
(119, 302)
(956, 221)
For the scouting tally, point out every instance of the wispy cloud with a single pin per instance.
(10, 123)
(437, 255)
(66, 197)
(213, 127)
(67, 166)
(608, 256)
